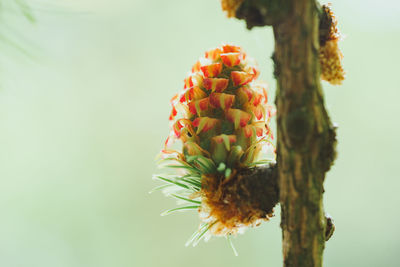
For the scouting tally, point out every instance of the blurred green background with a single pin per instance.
(83, 116)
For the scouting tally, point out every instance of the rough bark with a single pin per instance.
(305, 135)
(258, 187)
(304, 149)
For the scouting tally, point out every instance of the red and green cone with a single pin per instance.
(222, 119)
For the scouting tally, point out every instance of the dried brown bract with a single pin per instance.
(330, 56)
(230, 6)
(244, 199)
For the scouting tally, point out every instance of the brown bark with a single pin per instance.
(304, 148)
(306, 137)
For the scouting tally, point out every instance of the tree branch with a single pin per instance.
(306, 138)
(259, 189)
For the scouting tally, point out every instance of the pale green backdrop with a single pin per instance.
(83, 116)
